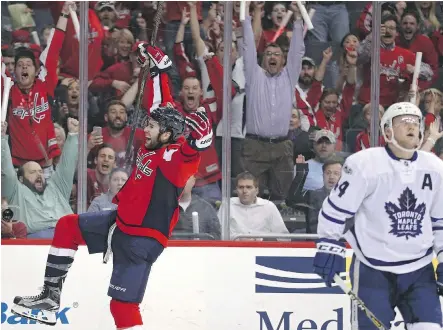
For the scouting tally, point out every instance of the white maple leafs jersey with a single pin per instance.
(397, 206)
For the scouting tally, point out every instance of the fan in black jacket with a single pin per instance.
(310, 201)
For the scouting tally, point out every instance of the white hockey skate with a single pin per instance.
(43, 307)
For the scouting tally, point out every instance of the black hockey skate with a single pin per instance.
(43, 307)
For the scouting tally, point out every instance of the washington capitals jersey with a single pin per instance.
(147, 205)
(397, 206)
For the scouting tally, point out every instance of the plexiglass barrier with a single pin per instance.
(288, 105)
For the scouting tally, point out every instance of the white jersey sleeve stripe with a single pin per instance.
(436, 214)
(340, 209)
(347, 194)
(327, 217)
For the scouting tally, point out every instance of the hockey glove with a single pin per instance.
(158, 58)
(329, 259)
(440, 279)
(200, 137)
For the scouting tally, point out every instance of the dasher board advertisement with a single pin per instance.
(190, 288)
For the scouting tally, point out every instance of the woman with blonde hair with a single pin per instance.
(429, 22)
(432, 102)
(119, 48)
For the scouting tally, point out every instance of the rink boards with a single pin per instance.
(231, 286)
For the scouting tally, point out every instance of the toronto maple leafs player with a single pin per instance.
(395, 195)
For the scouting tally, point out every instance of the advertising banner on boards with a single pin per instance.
(190, 288)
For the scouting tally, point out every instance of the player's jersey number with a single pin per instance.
(342, 188)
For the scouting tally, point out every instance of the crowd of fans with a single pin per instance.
(299, 107)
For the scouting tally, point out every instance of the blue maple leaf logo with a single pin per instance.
(406, 217)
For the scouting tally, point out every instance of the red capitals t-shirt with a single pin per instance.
(119, 143)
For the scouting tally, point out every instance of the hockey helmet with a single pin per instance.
(169, 120)
(401, 109)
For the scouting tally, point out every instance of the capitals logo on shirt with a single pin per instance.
(407, 216)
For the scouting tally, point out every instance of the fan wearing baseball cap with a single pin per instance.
(324, 147)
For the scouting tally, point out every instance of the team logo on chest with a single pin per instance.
(407, 217)
(143, 164)
(35, 111)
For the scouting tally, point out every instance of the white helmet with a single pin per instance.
(400, 109)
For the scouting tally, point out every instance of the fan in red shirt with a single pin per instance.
(116, 133)
(98, 177)
(437, 40)
(138, 231)
(117, 78)
(276, 12)
(31, 130)
(411, 39)
(396, 66)
(191, 98)
(333, 111)
(310, 87)
(362, 139)
(70, 52)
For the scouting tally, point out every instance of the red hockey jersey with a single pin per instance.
(209, 170)
(308, 101)
(157, 92)
(31, 130)
(422, 43)
(393, 63)
(71, 48)
(362, 141)
(335, 122)
(148, 202)
(119, 143)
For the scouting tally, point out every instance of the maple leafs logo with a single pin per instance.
(407, 217)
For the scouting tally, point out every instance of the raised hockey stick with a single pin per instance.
(6, 89)
(414, 85)
(145, 77)
(360, 303)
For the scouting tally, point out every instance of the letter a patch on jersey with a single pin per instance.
(406, 217)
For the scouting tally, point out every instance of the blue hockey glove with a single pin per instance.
(329, 259)
(440, 279)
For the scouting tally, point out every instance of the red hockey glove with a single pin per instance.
(158, 59)
(200, 137)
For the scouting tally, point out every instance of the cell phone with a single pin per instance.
(97, 131)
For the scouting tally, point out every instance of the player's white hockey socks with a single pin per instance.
(57, 266)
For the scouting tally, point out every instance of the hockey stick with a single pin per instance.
(6, 90)
(414, 85)
(145, 77)
(360, 303)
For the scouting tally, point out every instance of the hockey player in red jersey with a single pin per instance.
(138, 231)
